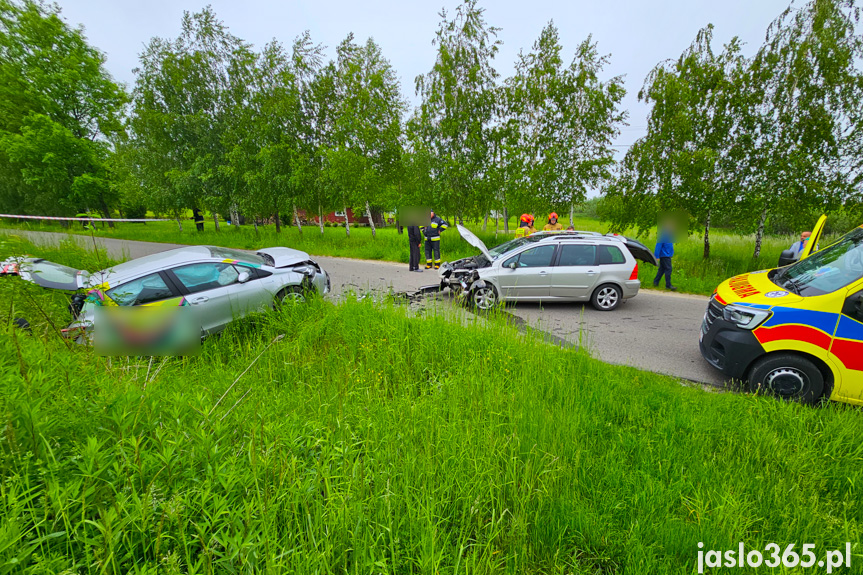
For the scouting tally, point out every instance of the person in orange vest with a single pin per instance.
(553, 225)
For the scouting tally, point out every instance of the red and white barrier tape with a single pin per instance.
(84, 219)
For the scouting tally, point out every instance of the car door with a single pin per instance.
(815, 237)
(145, 290)
(846, 349)
(527, 274)
(575, 272)
(250, 293)
(210, 287)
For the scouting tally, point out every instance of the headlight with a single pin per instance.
(745, 317)
(305, 269)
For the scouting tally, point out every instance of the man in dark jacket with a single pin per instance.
(415, 239)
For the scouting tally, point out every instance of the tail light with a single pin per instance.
(634, 274)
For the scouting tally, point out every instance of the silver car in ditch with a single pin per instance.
(564, 266)
(221, 283)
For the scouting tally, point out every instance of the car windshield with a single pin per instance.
(826, 270)
(239, 255)
(507, 247)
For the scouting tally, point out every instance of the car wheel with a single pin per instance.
(791, 377)
(606, 297)
(484, 298)
(291, 294)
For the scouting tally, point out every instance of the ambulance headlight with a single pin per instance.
(745, 317)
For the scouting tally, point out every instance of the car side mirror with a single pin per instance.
(786, 258)
(244, 277)
(511, 265)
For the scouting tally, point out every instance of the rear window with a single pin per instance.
(236, 255)
(610, 255)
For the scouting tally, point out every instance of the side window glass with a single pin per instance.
(140, 291)
(853, 306)
(537, 257)
(611, 255)
(201, 277)
(574, 255)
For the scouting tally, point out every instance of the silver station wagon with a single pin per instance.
(564, 266)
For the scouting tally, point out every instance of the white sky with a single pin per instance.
(638, 34)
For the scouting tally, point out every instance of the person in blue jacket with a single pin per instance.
(664, 251)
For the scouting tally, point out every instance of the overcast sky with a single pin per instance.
(636, 33)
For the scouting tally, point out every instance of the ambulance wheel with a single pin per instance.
(606, 297)
(788, 376)
(484, 298)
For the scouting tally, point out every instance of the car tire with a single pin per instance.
(484, 298)
(606, 297)
(788, 376)
(295, 294)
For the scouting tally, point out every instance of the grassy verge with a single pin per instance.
(369, 441)
(731, 254)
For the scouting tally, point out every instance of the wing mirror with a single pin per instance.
(511, 265)
(244, 277)
(786, 258)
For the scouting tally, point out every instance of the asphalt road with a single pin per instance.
(657, 331)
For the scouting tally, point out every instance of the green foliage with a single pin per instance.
(59, 108)
(563, 120)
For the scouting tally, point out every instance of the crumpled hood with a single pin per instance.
(755, 288)
(284, 257)
(470, 238)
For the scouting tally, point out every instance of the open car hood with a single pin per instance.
(284, 257)
(638, 250)
(46, 274)
(470, 238)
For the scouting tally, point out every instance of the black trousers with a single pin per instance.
(415, 257)
(664, 270)
(432, 247)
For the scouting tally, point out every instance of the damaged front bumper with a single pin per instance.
(460, 281)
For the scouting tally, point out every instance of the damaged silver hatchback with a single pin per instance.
(545, 266)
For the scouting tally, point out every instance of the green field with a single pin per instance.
(368, 440)
(731, 254)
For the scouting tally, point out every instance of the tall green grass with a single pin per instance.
(731, 254)
(357, 438)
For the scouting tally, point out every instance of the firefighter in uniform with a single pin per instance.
(432, 235)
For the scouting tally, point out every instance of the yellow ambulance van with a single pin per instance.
(794, 331)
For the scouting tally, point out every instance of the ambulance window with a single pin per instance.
(827, 270)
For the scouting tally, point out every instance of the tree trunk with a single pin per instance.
(321, 217)
(347, 222)
(235, 217)
(278, 220)
(297, 219)
(571, 213)
(399, 227)
(180, 224)
(505, 221)
(496, 222)
(255, 219)
(106, 212)
(759, 235)
(485, 222)
(371, 221)
(216, 220)
(707, 236)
